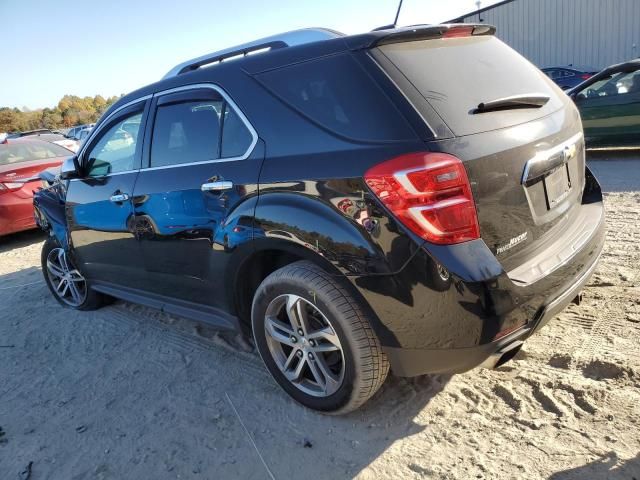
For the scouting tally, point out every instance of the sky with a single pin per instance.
(52, 48)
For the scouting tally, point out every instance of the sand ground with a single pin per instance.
(130, 392)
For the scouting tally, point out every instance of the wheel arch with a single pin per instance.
(267, 256)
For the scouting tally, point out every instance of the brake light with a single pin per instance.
(458, 32)
(430, 194)
(585, 76)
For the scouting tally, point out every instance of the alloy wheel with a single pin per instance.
(67, 282)
(304, 345)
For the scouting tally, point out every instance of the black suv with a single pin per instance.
(413, 198)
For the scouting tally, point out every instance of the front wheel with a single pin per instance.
(64, 280)
(316, 340)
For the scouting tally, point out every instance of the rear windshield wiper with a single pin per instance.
(528, 100)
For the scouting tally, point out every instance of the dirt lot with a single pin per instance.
(129, 392)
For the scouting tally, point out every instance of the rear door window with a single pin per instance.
(456, 74)
(337, 94)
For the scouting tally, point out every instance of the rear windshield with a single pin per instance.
(336, 93)
(24, 152)
(456, 74)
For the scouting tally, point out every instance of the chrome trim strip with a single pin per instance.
(227, 98)
(547, 154)
(106, 176)
(223, 94)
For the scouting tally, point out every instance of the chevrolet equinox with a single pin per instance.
(410, 198)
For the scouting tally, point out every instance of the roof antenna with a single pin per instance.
(395, 22)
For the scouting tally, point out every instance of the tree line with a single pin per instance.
(71, 110)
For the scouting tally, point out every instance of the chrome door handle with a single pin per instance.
(119, 198)
(216, 186)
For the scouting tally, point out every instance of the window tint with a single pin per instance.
(236, 138)
(455, 75)
(186, 132)
(189, 132)
(337, 93)
(116, 148)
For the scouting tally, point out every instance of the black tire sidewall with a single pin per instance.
(291, 285)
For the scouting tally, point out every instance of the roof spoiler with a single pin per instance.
(427, 32)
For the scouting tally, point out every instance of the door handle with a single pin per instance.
(216, 186)
(119, 197)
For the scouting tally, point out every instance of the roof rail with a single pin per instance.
(287, 39)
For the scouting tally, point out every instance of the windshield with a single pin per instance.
(24, 152)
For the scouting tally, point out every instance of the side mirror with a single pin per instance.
(70, 168)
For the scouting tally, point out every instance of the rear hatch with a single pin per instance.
(519, 137)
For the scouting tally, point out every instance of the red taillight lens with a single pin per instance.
(585, 76)
(237, 229)
(430, 194)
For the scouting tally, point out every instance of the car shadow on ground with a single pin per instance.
(607, 467)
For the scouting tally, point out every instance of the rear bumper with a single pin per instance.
(432, 326)
(412, 362)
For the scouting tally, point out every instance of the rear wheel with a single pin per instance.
(316, 340)
(66, 283)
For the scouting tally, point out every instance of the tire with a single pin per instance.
(88, 299)
(334, 318)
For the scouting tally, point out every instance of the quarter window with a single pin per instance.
(116, 150)
(197, 131)
(336, 93)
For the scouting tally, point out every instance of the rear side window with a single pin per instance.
(336, 93)
(456, 74)
(197, 131)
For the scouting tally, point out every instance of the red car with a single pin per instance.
(21, 160)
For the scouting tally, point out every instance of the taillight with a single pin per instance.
(429, 193)
(10, 187)
(585, 76)
(237, 229)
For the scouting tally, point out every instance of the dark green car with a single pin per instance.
(609, 105)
